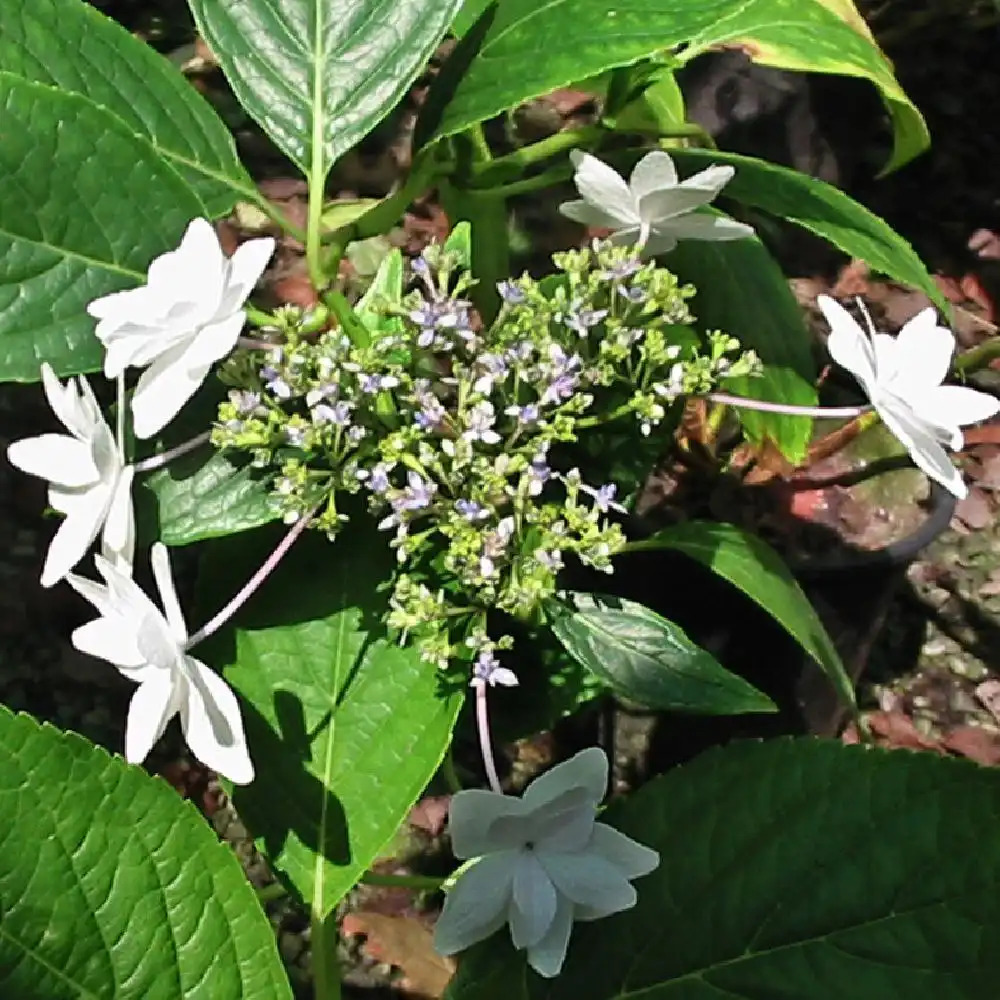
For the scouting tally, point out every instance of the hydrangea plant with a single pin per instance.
(394, 494)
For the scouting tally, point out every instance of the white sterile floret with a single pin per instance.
(654, 209)
(902, 377)
(89, 482)
(544, 862)
(187, 316)
(148, 646)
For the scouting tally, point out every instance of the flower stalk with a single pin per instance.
(158, 461)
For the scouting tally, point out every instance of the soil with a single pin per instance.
(927, 637)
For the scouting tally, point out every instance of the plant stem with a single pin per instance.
(830, 412)
(449, 773)
(214, 624)
(254, 344)
(257, 316)
(483, 725)
(546, 179)
(279, 218)
(488, 173)
(120, 416)
(155, 461)
(979, 356)
(419, 882)
(323, 948)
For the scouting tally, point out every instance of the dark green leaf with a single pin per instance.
(112, 886)
(71, 46)
(794, 869)
(346, 727)
(821, 209)
(67, 233)
(329, 72)
(754, 567)
(533, 48)
(205, 495)
(742, 291)
(647, 658)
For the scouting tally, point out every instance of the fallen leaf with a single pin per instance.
(406, 944)
(985, 244)
(989, 694)
(974, 742)
(893, 730)
(430, 814)
(974, 510)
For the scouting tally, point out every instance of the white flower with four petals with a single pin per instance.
(654, 209)
(902, 377)
(148, 646)
(187, 316)
(544, 862)
(90, 482)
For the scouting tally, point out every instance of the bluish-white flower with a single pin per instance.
(902, 377)
(148, 646)
(187, 316)
(544, 862)
(654, 209)
(89, 481)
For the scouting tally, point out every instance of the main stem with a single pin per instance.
(832, 412)
(323, 947)
(253, 583)
(155, 461)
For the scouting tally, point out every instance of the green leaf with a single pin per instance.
(742, 291)
(205, 495)
(647, 658)
(751, 565)
(346, 727)
(820, 208)
(468, 15)
(328, 73)
(74, 48)
(459, 242)
(67, 234)
(386, 287)
(112, 886)
(797, 869)
(583, 38)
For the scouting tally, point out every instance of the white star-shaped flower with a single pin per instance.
(902, 377)
(148, 647)
(544, 862)
(187, 316)
(90, 482)
(654, 209)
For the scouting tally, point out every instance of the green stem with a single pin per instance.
(420, 882)
(554, 176)
(486, 174)
(323, 947)
(257, 317)
(978, 357)
(449, 773)
(278, 218)
(335, 301)
(269, 893)
(596, 421)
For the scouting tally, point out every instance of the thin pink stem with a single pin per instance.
(281, 549)
(796, 411)
(155, 461)
(483, 724)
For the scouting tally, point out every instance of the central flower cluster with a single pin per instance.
(468, 443)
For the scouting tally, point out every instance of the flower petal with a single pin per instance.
(956, 406)
(109, 639)
(213, 341)
(923, 446)
(245, 268)
(659, 241)
(476, 905)
(630, 236)
(923, 355)
(589, 880)
(589, 215)
(705, 226)
(654, 172)
(162, 390)
(547, 957)
(213, 725)
(630, 857)
(604, 188)
(588, 770)
(152, 706)
(533, 902)
(657, 206)
(75, 535)
(848, 344)
(193, 274)
(118, 538)
(471, 814)
(66, 404)
(164, 578)
(58, 458)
